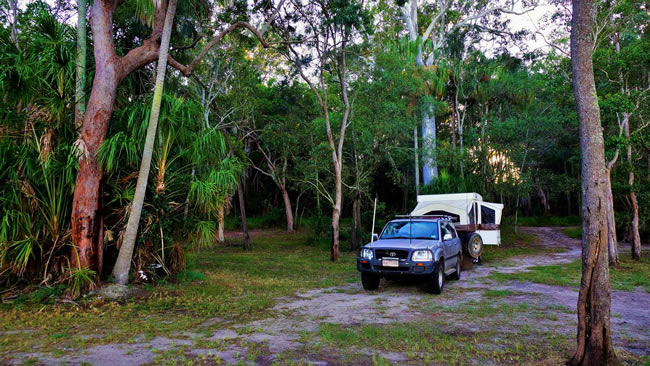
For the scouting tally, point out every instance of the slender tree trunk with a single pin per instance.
(336, 213)
(417, 161)
(287, 207)
(242, 201)
(612, 241)
(13, 7)
(80, 95)
(636, 238)
(454, 118)
(244, 221)
(544, 200)
(123, 263)
(220, 218)
(356, 222)
(594, 334)
(430, 167)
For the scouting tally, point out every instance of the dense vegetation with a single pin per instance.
(266, 120)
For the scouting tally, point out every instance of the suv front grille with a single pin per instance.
(392, 253)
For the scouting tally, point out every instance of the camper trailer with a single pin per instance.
(473, 218)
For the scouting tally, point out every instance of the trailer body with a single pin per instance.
(468, 212)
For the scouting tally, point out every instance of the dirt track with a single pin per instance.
(288, 334)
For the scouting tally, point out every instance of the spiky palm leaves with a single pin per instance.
(36, 164)
(190, 166)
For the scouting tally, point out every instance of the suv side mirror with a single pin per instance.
(446, 237)
(375, 237)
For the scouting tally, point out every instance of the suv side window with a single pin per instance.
(444, 230)
(452, 230)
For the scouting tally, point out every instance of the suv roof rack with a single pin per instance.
(425, 217)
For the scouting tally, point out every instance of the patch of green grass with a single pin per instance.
(544, 220)
(224, 282)
(631, 274)
(189, 275)
(573, 232)
(434, 343)
(628, 276)
(497, 293)
(514, 243)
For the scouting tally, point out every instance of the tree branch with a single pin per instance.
(187, 70)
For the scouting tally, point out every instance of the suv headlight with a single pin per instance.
(366, 253)
(422, 256)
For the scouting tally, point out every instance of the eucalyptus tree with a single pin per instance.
(80, 95)
(624, 87)
(111, 69)
(329, 28)
(445, 18)
(594, 336)
(281, 112)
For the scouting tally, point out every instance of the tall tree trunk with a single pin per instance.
(287, 207)
(123, 263)
(356, 222)
(336, 212)
(417, 161)
(13, 7)
(636, 238)
(242, 201)
(594, 333)
(430, 166)
(220, 218)
(85, 205)
(244, 221)
(544, 200)
(612, 241)
(80, 95)
(454, 116)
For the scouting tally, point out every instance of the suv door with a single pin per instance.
(446, 244)
(451, 246)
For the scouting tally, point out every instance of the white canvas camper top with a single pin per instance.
(468, 212)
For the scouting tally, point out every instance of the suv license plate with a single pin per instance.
(390, 262)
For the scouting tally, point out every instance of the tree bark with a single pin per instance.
(244, 221)
(612, 241)
(123, 263)
(544, 200)
(356, 222)
(636, 238)
(416, 169)
(430, 166)
(220, 218)
(85, 223)
(80, 95)
(287, 207)
(242, 201)
(336, 212)
(594, 334)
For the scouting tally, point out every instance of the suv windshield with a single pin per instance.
(411, 230)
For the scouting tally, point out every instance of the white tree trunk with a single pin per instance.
(123, 263)
(430, 166)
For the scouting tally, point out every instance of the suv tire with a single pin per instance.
(369, 281)
(436, 282)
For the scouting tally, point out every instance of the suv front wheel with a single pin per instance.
(369, 281)
(437, 280)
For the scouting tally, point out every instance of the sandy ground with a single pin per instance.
(552, 309)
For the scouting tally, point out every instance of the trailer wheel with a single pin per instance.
(369, 281)
(474, 245)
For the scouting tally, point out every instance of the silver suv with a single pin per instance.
(421, 246)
